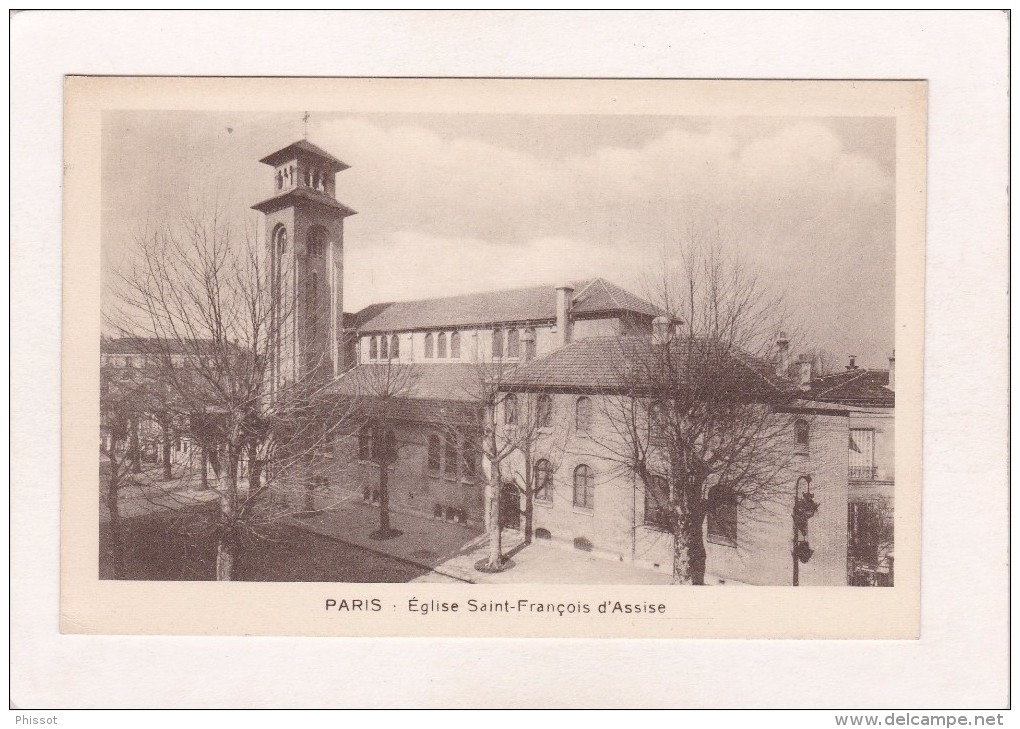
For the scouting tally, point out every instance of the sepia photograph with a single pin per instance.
(454, 360)
(498, 348)
(507, 345)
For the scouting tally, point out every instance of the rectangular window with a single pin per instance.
(862, 454)
(657, 501)
(722, 522)
(497, 342)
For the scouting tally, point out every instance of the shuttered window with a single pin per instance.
(862, 454)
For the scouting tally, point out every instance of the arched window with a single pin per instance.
(435, 454)
(384, 347)
(280, 240)
(656, 501)
(582, 414)
(316, 242)
(510, 409)
(428, 346)
(455, 345)
(584, 487)
(801, 435)
(513, 343)
(545, 411)
(497, 342)
(441, 346)
(583, 543)
(543, 480)
(373, 348)
(530, 347)
(543, 534)
(395, 347)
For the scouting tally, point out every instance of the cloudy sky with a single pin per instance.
(472, 202)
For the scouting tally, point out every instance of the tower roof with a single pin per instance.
(304, 148)
(298, 194)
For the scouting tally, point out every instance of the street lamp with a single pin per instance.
(804, 507)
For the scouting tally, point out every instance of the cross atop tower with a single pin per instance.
(305, 119)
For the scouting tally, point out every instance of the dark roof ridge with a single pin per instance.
(477, 293)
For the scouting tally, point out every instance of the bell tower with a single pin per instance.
(305, 235)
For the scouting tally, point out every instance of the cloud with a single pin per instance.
(418, 265)
(475, 202)
(451, 214)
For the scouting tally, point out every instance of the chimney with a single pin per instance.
(564, 301)
(892, 371)
(804, 366)
(527, 344)
(853, 362)
(783, 359)
(660, 330)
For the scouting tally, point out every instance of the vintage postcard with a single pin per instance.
(451, 357)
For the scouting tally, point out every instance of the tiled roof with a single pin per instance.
(601, 296)
(288, 198)
(609, 364)
(358, 319)
(423, 393)
(535, 303)
(858, 386)
(302, 148)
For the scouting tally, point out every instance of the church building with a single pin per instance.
(551, 336)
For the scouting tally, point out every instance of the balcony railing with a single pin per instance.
(863, 473)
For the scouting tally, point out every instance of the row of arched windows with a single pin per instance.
(584, 484)
(507, 343)
(448, 452)
(316, 241)
(287, 177)
(384, 347)
(436, 346)
(544, 412)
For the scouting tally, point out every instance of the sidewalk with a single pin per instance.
(451, 551)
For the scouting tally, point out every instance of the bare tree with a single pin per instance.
(507, 433)
(539, 451)
(380, 391)
(120, 410)
(203, 299)
(696, 410)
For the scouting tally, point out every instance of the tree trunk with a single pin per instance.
(495, 527)
(135, 448)
(384, 499)
(254, 471)
(226, 556)
(113, 507)
(688, 551)
(529, 514)
(226, 548)
(205, 468)
(167, 471)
